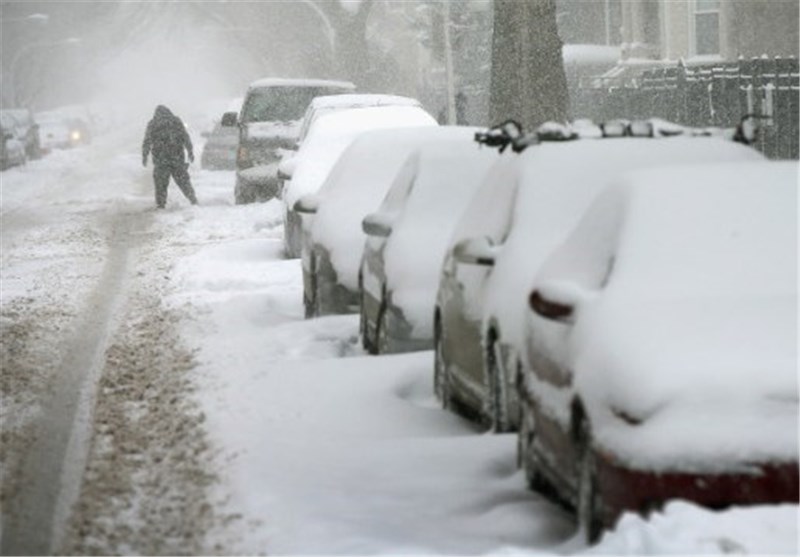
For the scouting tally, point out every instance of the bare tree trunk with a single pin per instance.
(351, 52)
(528, 79)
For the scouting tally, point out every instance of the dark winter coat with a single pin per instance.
(166, 138)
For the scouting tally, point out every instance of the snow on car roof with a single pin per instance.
(290, 82)
(444, 174)
(333, 134)
(355, 187)
(354, 100)
(697, 319)
(557, 183)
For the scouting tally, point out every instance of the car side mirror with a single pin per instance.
(377, 224)
(230, 120)
(286, 168)
(557, 300)
(308, 204)
(475, 251)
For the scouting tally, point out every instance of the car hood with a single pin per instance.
(261, 131)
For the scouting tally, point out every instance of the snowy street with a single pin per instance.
(162, 394)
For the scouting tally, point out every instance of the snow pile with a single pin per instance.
(686, 529)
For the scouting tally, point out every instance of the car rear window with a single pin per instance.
(281, 104)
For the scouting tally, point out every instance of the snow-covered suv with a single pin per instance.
(269, 123)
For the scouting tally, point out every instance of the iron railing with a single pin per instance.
(714, 94)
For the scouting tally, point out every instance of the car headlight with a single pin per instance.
(75, 135)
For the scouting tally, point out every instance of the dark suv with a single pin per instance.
(269, 124)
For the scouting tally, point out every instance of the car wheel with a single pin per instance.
(369, 347)
(588, 507)
(382, 343)
(526, 457)
(497, 407)
(311, 298)
(242, 197)
(441, 382)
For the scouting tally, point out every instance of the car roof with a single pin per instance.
(358, 99)
(292, 82)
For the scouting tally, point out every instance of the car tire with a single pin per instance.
(497, 407)
(526, 457)
(587, 501)
(382, 343)
(441, 381)
(311, 298)
(366, 342)
(242, 198)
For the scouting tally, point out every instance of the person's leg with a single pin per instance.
(161, 181)
(181, 175)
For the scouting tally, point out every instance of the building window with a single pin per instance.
(706, 27)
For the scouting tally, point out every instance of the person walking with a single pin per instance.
(166, 138)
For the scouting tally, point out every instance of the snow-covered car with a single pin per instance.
(521, 213)
(407, 238)
(219, 149)
(333, 241)
(323, 147)
(12, 151)
(322, 106)
(269, 123)
(54, 134)
(26, 130)
(663, 344)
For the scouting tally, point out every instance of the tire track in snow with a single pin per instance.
(52, 468)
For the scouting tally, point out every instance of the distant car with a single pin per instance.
(219, 149)
(12, 151)
(54, 134)
(407, 238)
(26, 130)
(323, 147)
(321, 106)
(334, 241)
(269, 123)
(523, 211)
(663, 343)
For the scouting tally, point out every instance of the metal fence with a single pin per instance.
(718, 94)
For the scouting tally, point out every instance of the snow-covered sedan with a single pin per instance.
(322, 106)
(407, 238)
(523, 211)
(333, 242)
(324, 145)
(663, 345)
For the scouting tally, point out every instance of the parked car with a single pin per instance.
(323, 147)
(269, 123)
(663, 346)
(219, 149)
(407, 238)
(26, 130)
(334, 241)
(12, 151)
(322, 106)
(520, 214)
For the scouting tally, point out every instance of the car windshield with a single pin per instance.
(281, 104)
